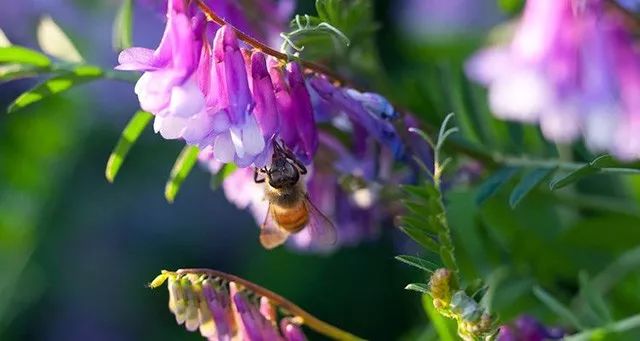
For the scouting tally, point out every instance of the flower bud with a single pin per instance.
(440, 288)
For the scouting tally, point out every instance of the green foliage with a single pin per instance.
(419, 263)
(23, 55)
(128, 138)
(122, 36)
(557, 307)
(181, 169)
(55, 85)
(527, 183)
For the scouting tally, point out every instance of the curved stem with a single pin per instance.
(212, 16)
(308, 319)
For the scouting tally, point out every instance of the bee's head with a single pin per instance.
(282, 172)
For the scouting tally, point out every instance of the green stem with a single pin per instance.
(601, 333)
(308, 319)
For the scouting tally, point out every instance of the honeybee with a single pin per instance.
(290, 210)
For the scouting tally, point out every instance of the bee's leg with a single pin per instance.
(255, 176)
(301, 167)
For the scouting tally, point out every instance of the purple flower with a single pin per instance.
(527, 328)
(297, 122)
(251, 323)
(358, 109)
(241, 139)
(291, 330)
(169, 87)
(573, 70)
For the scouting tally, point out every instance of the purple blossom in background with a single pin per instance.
(572, 68)
(527, 328)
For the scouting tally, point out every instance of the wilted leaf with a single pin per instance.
(181, 169)
(128, 137)
(55, 42)
(55, 85)
(527, 183)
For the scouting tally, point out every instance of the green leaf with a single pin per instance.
(491, 186)
(419, 287)
(128, 137)
(218, 178)
(511, 7)
(528, 182)
(23, 55)
(557, 307)
(122, 26)
(591, 168)
(627, 324)
(418, 263)
(421, 237)
(594, 300)
(55, 42)
(17, 71)
(445, 327)
(55, 85)
(627, 263)
(181, 169)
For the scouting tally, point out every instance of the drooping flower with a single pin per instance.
(571, 67)
(224, 307)
(169, 87)
(241, 139)
(367, 111)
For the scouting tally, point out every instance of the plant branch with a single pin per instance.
(212, 16)
(308, 319)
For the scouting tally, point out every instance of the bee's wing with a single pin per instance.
(271, 235)
(322, 230)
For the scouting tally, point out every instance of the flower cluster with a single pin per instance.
(234, 103)
(573, 68)
(224, 310)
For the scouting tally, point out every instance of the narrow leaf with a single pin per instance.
(419, 287)
(218, 178)
(419, 263)
(55, 42)
(181, 169)
(128, 137)
(17, 71)
(122, 31)
(491, 186)
(23, 55)
(588, 169)
(594, 300)
(557, 307)
(55, 85)
(528, 182)
(421, 238)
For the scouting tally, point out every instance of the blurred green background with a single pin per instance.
(76, 252)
